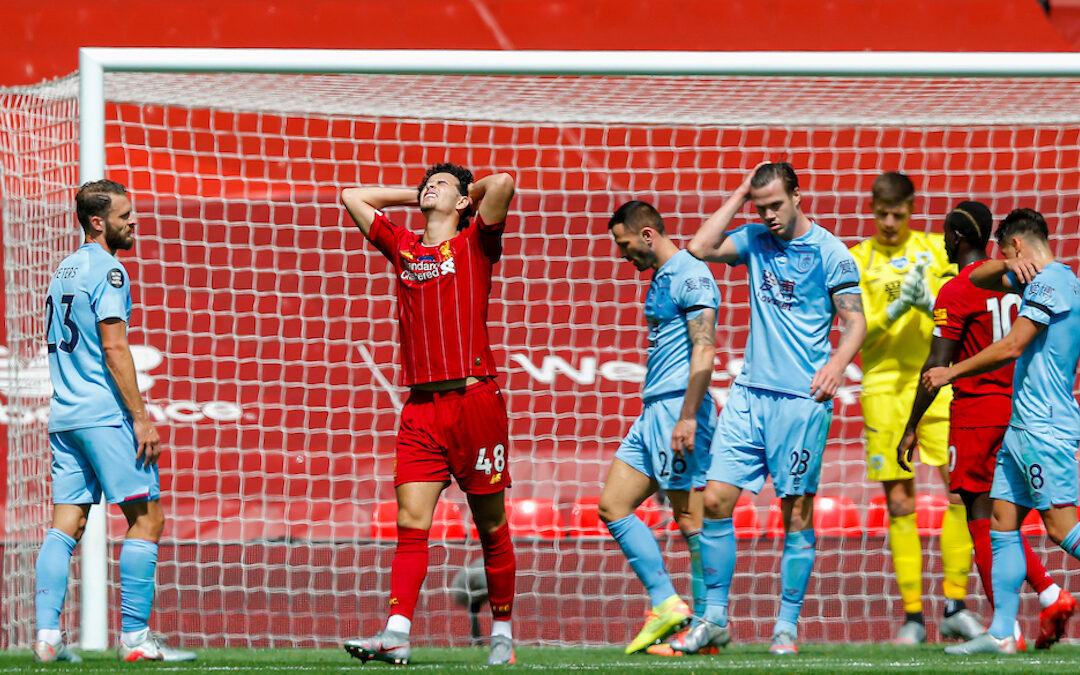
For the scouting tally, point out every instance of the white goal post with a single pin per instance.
(676, 128)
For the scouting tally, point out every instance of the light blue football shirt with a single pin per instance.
(88, 287)
(682, 284)
(791, 307)
(1045, 372)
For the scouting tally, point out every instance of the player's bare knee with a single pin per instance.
(70, 520)
(75, 532)
(489, 520)
(798, 513)
(146, 520)
(1057, 530)
(899, 501)
(609, 511)
(687, 523)
(799, 521)
(414, 519)
(718, 504)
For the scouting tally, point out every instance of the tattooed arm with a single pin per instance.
(827, 380)
(702, 331)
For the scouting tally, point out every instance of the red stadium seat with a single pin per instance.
(447, 525)
(1033, 524)
(877, 517)
(585, 518)
(745, 518)
(837, 516)
(929, 512)
(534, 517)
(833, 516)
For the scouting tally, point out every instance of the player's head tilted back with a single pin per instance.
(105, 213)
(1023, 232)
(892, 197)
(774, 191)
(445, 188)
(967, 226)
(639, 231)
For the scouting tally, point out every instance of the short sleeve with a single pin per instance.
(695, 288)
(949, 315)
(491, 238)
(1041, 301)
(741, 237)
(841, 272)
(111, 298)
(384, 235)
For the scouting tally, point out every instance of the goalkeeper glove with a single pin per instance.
(916, 291)
(897, 307)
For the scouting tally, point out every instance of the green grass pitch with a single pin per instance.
(813, 658)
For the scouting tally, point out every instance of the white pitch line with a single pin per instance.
(379, 377)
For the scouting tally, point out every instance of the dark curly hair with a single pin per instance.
(465, 179)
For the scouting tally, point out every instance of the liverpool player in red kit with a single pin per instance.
(454, 422)
(967, 319)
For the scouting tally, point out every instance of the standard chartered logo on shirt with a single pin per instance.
(33, 381)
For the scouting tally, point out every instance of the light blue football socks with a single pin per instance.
(718, 562)
(643, 553)
(1008, 570)
(51, 567)
(795, 568)
(138, 560)
(697, 573)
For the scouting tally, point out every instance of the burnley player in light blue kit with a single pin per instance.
(1036, 466)
(667, 447)
(779, 408)
(99, 433)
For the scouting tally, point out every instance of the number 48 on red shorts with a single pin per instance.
(462, 433)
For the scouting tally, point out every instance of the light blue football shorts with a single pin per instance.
(762, 431)
(1036, 469)
(647, 446)
(87, 461)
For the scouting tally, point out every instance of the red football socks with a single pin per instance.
(500, 566)
(408, 571)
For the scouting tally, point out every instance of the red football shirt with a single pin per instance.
(442, 299)
(976, 318)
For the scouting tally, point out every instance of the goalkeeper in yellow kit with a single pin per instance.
(901, 272)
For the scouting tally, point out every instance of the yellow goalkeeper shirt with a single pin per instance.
(893, 353)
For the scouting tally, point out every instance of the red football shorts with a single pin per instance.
(462, 432)
(972, 456)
